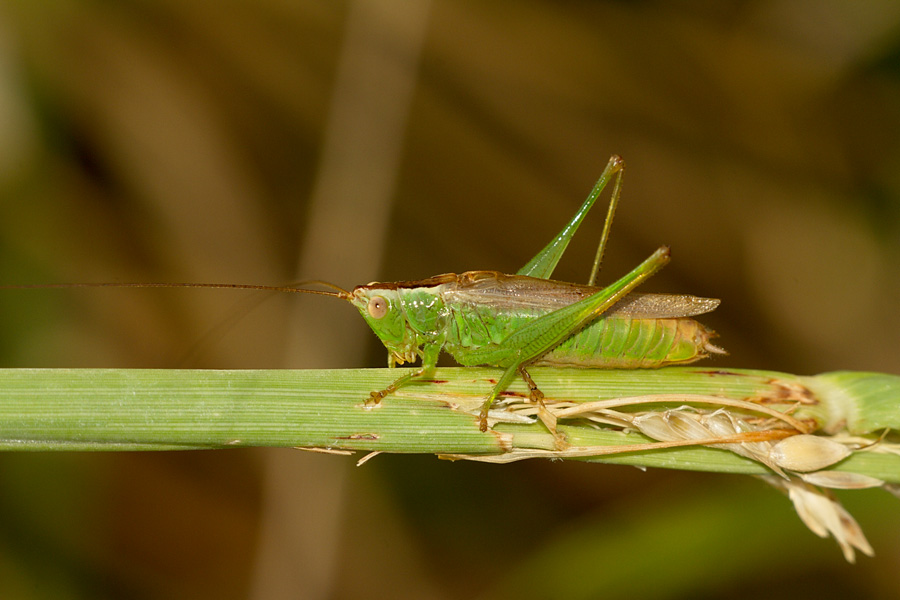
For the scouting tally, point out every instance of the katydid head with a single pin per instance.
(380, 306)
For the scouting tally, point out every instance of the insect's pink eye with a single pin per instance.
(378, 307)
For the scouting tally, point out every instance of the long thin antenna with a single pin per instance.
(342, 294)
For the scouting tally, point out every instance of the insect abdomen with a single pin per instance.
(633, 343)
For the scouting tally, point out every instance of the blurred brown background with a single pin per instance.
(263, 142)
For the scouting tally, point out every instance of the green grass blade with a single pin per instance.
(122, 409)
